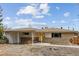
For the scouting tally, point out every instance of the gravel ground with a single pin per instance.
(14, 50)
(36, 50)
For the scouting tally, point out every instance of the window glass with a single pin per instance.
(25, 33)
(56, 34)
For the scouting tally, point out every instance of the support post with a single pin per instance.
(32, 37)
(18, 39)
(41, 38)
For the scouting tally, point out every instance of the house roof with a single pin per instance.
(20, 29)
(39, 30)
(55, 30)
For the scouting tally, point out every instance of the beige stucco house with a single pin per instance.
(33, 35)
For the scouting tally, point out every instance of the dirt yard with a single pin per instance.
(37, 50)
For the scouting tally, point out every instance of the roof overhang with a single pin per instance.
(39, 30)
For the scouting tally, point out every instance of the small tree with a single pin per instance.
(1, 25)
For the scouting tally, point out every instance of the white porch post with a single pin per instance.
(32, 37)
(41, 38)
(18, 39)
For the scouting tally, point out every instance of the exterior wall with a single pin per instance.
(11, 37)
(8, 35)
(63, 35)
(14, 37)
(48, 35)
(36, 35)
(67, 35)
(21, 34)
(64, 40)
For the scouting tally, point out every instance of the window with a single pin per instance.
(56, 34)
(25, 33)
(75, 34)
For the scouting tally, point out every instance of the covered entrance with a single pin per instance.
(30, 37)
(26, 37)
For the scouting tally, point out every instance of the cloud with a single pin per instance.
(39, 23)
(44, 8)
(53, 21)
(36, 10)
(41, 16)
(23, 22)
(18, 23)
(58, 22)
(66, 14)
(7, 22)
(27, 10)
(34, 4)
(28, 21)
(58, 8)
(63, 21)
(75, 20)
(7, 18)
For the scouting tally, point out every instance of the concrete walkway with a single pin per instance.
(47, 44)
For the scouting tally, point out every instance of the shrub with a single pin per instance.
(4, 40)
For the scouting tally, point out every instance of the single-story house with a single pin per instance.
(33, 35)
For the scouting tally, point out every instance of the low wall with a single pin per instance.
(57, 41)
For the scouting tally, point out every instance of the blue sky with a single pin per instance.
(37, 15)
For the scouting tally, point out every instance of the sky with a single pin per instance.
(37, 15)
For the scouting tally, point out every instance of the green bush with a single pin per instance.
(4, 40)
